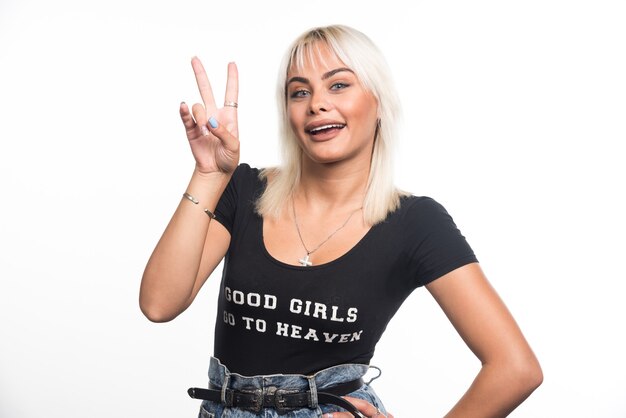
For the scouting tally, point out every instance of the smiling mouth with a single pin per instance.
(319, 130)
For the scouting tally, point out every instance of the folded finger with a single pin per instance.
(189, 122)
(186, 117)
(204, 86)
(200, 116)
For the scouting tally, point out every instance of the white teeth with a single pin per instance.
(319, 128)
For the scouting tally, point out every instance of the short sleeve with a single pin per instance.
(436, 246)
(242, 185)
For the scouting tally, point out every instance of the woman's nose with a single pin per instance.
(318, 104)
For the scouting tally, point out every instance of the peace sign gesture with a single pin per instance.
(213, 133)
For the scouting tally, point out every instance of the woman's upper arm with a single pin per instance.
(480, 317)
(215, 248)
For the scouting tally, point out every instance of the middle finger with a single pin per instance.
(232, 84)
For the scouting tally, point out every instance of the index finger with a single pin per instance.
(203, 85)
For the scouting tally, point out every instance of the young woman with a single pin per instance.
(322, 251)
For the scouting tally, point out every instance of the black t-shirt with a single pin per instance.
(277, 318)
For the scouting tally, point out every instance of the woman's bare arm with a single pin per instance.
(510, 371)
(193, 244)
(187, 253)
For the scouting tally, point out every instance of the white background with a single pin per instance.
(514, 117)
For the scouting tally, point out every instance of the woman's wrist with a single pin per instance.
(206, 188)
(211, 176)
(212, 181)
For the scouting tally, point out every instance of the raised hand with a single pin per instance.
(213, 133)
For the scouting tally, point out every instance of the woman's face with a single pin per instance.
(331, 113)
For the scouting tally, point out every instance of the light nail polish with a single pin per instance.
(213, 122)
(204, 130)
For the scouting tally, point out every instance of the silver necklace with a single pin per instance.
(305, 261)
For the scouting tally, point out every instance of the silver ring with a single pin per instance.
(231, 104)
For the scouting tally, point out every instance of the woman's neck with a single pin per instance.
(324, 187)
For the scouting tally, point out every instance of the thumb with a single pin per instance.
(223, 134)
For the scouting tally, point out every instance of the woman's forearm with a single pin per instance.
(172, 270)
(498, 390)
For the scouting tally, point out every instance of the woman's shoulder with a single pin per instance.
(246, 176)
(245, 184)
(413, 205)
(245, 170)
(421, 213)
(430, 237)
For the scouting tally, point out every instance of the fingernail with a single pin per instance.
(204, 130)
(213, 122)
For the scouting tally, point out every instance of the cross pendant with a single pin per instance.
(305, 261)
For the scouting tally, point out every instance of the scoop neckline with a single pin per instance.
(330, 263)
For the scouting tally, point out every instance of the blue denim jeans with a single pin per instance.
(220, 376)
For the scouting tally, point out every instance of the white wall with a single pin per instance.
(514, 115)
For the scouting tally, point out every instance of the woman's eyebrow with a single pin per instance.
(335, 71)
(324, 76)
(298, 80)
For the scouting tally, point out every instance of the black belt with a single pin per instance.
(283, 400)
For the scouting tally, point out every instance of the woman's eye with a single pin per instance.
(339, 86)
(298, 93)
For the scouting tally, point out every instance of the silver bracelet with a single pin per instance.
(190, 197)
(209, 213)
(195, 202)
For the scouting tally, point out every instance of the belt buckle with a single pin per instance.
(280, 401)
(271, 397)
(272, 393)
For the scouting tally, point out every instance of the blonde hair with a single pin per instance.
(360, 54)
